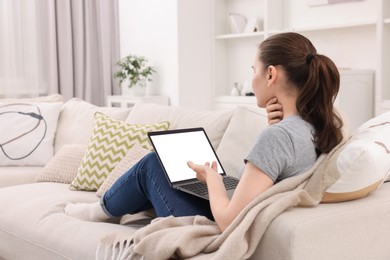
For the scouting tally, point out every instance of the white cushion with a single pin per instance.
(16, 175)
(363, 163)
(63, 166)
(214, 122)
(241, 134)
(27, 132)
(76, 121)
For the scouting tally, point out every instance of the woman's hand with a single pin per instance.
(253, 182)
(204, 171)
(274, 111)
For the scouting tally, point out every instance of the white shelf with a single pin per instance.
(246, 35)
(387, 21)
(237, 36)
(333, 26)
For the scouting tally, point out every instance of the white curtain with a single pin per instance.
(22, 62)
(59, 46)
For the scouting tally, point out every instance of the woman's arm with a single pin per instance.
(252, 183)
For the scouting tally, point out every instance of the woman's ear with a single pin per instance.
(272, 74)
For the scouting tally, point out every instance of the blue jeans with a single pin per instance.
(145, 186)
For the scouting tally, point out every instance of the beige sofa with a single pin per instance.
(34, 226)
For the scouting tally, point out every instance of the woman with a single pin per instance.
(288, 74)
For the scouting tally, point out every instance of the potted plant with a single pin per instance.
(134, 72)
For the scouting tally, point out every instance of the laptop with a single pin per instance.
(174, 148)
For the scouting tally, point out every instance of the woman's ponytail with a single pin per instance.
(315, 102)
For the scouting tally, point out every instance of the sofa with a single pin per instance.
(352, 223)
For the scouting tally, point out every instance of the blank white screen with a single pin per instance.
(176, 149)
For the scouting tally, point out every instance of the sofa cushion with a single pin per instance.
(63, 166)
(110, 140)
(363, 162)
(34, 226)
(76, 121)
(27, 132)
(130, 159)
(241, 134)
(214, 122)
(15, 175)
(356, 229)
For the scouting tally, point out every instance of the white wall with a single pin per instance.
(149, 28)
(195, 53)
(176, 37)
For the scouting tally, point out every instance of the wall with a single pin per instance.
(176, 37)
(195, 53)
(149, 28)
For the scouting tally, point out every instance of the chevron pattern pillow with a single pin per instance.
(109, 142)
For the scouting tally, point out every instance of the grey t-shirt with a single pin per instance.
(284, 149)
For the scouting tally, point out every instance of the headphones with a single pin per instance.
(39, 119)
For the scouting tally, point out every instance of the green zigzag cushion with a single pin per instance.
(109, 142)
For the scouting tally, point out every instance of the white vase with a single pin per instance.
(138, 90)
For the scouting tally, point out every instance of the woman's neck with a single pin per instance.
(289, 105)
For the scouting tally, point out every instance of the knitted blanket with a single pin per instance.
(196, 237)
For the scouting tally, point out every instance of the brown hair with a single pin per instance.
(317, 79)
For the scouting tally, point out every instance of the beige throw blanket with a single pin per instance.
(199, 238)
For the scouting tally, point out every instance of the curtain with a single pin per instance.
(22, 62)
(75, 45)
(87, 48)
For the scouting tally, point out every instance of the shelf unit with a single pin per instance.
(225, 60)
(368, 34)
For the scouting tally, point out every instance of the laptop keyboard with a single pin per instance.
(196, 187)
(201, 188)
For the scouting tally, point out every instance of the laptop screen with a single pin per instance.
(176, 147)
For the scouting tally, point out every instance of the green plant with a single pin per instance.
(134, 69)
